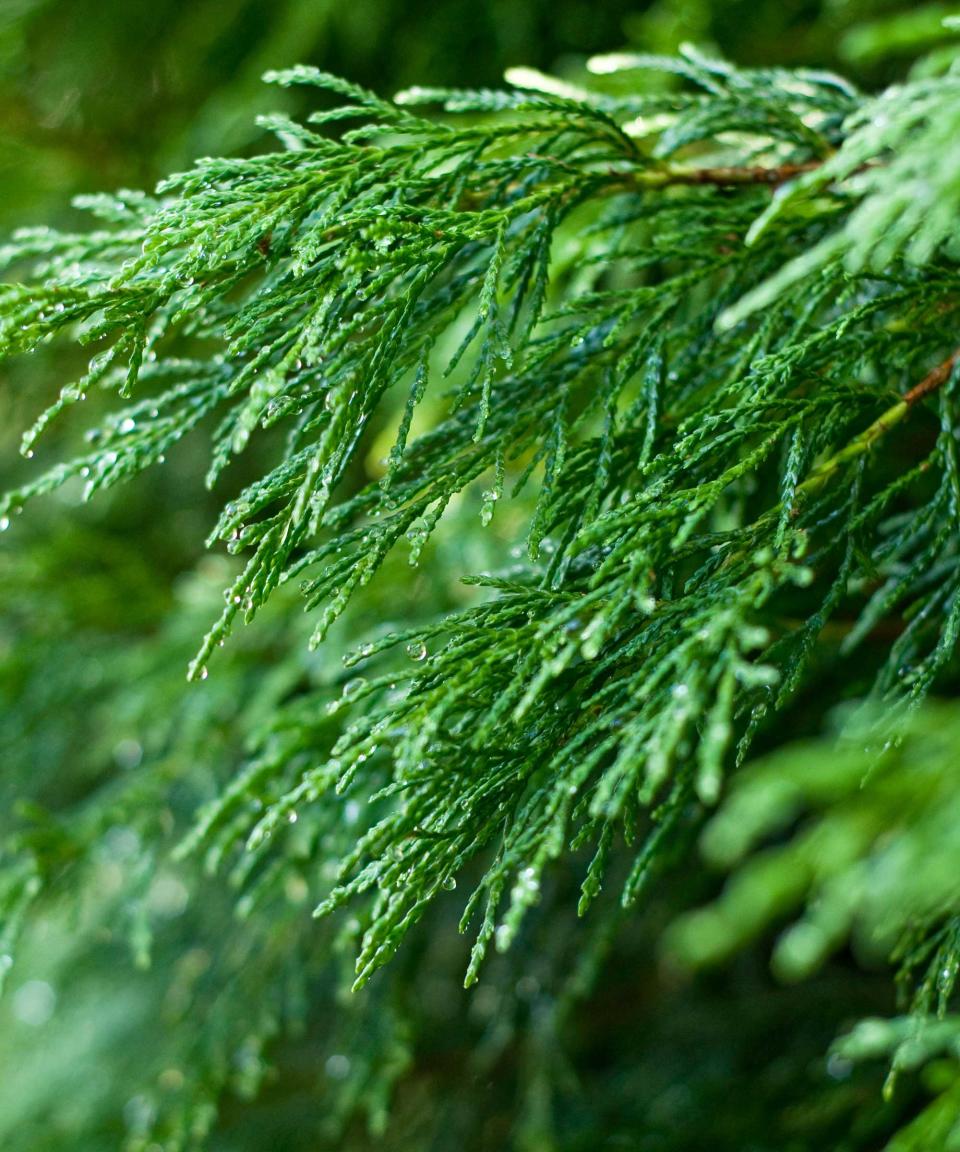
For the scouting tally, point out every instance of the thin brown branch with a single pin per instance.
(749, 174)
(769, 176)
(932, 381)
(865, 441)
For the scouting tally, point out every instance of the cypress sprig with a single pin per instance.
(702, 337)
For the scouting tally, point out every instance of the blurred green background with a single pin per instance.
(96, 95)
(102, 742)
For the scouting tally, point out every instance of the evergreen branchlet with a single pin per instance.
(703, 335)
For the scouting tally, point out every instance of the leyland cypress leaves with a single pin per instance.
(701, 338)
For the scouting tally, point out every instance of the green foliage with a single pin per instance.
(681, 337)
(858, 832)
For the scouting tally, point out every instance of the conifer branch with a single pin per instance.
(862, 443)
(586, 356)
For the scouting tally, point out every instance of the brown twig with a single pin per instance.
(749, 174)
(865, 441)
(668, 175)
(932, 381)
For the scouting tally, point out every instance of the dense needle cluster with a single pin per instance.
(690, 332)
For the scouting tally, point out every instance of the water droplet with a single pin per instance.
(34, 1002)
(358, 654)
(127, 425)
(489, 498)
(353, 687)
(527, 885)
(204, 673)
(838, 1068)
(139, 1114)
(4, 523)
(417, 650)
(448, 883)
(292, 817)
(127, 754)
(337, 1067)
(171, 1079)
